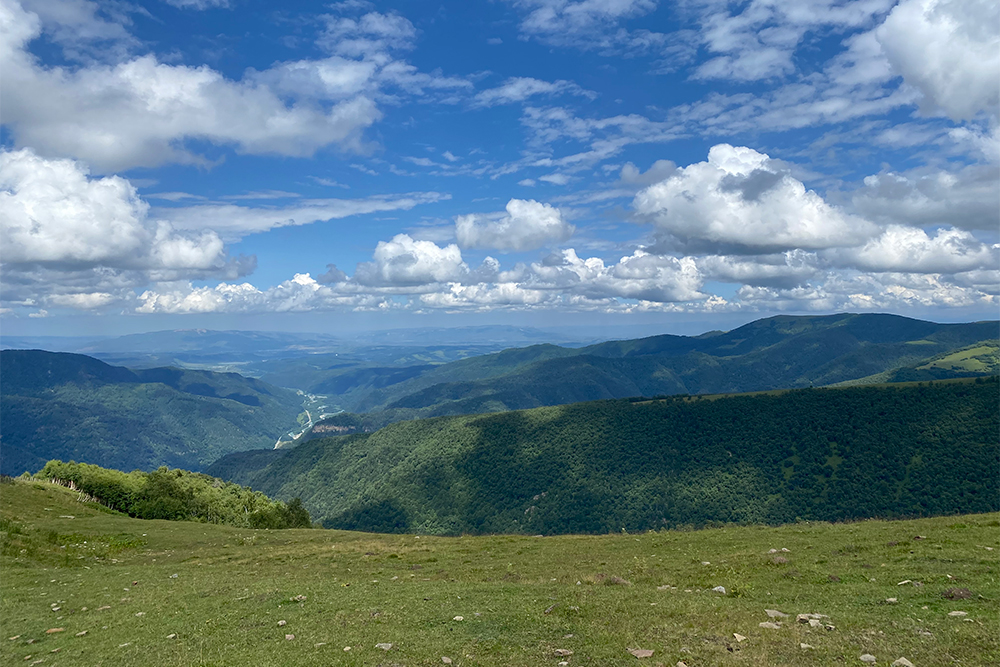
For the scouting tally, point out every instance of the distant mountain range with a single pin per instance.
(774, 353)
(71, 406)
(75, 407)
(604, 466)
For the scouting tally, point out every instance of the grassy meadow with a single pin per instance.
(85, 586)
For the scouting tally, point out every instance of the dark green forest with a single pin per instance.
(637, 464)
(177, 495)
(70, 406)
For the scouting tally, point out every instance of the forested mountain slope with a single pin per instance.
(73, 407)
(824, 454)
(774, 353)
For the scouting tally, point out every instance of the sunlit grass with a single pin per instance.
(519, 597)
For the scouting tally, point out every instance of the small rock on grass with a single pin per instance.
(82, 633)
(641, 652)
(806, 647)
(738, 637)
(172, 635)
(774, 613)
(719, 589)
(901, 662)
(458, 618)
(282, 624)
(867, 658)
(768, 625)
(52, 631)
(289, 637)
(958, 613)
(446, 660)
(385, 646)
(562, 653)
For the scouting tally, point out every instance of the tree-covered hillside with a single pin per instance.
(773, 353)
(830, 454)
(70, 406)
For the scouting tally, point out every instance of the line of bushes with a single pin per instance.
(178, 495)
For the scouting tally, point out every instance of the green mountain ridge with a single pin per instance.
(74, 407)
(774, 353)
(823, 454)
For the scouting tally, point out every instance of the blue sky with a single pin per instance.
(244, 164)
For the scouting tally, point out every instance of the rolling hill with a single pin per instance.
(773, 353)
(823, 454)
(73, 407)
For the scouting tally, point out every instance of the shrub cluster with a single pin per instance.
(178, 495)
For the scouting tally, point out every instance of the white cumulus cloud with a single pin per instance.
(949, 50)
(740, 198)
(55, 214)
(405, 262)
(912, 250)
(527, 225)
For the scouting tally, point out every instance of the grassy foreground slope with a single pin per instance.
(70, 406)
(819, 454)
(124, 592)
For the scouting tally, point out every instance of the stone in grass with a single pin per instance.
(446, 660)
(719, 589)
(768, 625)
(52, 631)
(562, 653)
(774, 613)
(641, 652)
(282, 624)
(172, 635)
(958, 613)
(82, 633)
(458, 618)
(868, 658)
(901, 662)
(738, 637)
(385, 646)
(891, 600)
(806, 647)
(289, 637)
(805, 618)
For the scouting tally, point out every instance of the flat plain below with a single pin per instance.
(83, 586)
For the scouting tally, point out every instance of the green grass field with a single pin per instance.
(520, 598)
